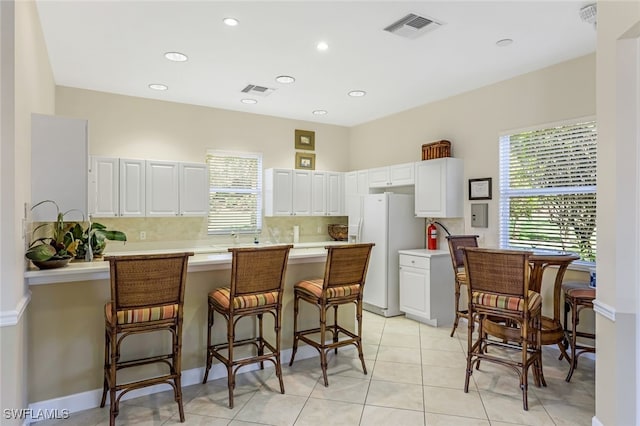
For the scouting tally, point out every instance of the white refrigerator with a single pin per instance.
(389, 221)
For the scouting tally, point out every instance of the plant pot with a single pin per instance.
(52, 263)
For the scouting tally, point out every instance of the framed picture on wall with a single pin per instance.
(480, 189)
(305, 161)
(305, 139)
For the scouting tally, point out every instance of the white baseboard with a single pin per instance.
(11, 318)
(91, 399)
(605, 310)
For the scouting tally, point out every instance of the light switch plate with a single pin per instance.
(479, 215)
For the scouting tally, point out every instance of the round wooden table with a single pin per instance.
(552, 329)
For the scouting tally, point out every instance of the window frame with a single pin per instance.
(507, 193)
(259, 191)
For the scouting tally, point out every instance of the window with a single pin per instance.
(548, 189)
(235, 192)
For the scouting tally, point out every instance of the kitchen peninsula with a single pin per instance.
(66, 320)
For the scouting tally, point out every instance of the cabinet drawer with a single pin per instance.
(414, 261)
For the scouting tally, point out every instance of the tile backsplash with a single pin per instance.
(178, 232)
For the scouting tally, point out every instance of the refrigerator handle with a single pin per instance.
(360, 229)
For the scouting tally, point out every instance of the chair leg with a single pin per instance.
(323, 352)
(335, 327)
(359, 342)
(456, 302)
(260, 340)
(469, 371)
(114, 356)
(278, 329)
(573, 361)
(296, 302)
(209, 350)
(524, 375)
(105, 384)
(177, 367)
(231, 378)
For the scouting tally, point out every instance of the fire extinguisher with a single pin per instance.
(432, 237)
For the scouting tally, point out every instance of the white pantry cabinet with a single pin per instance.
(59, 166)
(396, 175)
(439, 188)
(426, 286)
(287, 192)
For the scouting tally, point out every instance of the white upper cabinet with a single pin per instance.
(326, 193)
(104, 189)
(439, 188)
(288, 192)
(194, 189)
(59, 166)
(396, 175)
(132, 187)
(162, 186)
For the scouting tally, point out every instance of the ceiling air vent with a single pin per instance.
(258, 90)
(412, 26)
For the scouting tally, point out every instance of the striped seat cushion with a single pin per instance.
(222, 296)
(512, 303)
(314, 288)
(130, 316)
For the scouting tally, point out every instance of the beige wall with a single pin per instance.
(618, 188)
(25, 62)
(123, 126)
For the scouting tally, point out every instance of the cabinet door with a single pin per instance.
(162, 188)
(438, 189)
(414, 288)
(363, 182)
(132, 187)
(402, 174)
(59, 166)
(379, 177)
(334, 184)
(350, 184)
(194, 189)
(318, 193)
(104, 184)
(301, 195)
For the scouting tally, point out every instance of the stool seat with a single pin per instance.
(577, 296)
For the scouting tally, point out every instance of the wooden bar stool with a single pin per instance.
(577, 296)
(257, 284)
(147, 295)
(456, 242)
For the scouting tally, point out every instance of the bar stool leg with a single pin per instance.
(574, 359)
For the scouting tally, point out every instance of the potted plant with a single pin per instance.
(94, 239)
(58, 247)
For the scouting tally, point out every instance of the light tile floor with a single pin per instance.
(416, 377)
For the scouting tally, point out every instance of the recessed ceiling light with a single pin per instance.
(285, 79)
(232, 22)
(322, 46)
(319, 112)
(176, 56)
(357, 93)
(248, 101)
(156, 86)
(504, 42)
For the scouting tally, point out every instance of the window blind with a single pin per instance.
(548, 189)
(235, 192)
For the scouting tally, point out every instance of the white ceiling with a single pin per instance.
(118, 46)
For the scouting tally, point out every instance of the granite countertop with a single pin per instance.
(204, 259)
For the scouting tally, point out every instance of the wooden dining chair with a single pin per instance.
(343, 283)
(256, 287)
(507, 312)
(147, 295)
(456, 242)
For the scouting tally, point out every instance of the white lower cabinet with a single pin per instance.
(427, 286)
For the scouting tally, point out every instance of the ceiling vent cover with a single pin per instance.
(412, 26)
(254, 89)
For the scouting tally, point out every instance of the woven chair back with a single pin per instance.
(456, 242)
(140, 281)
(504, 272)
(258, 269)
(347, 265)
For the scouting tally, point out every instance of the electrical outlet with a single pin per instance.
(143, 235)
